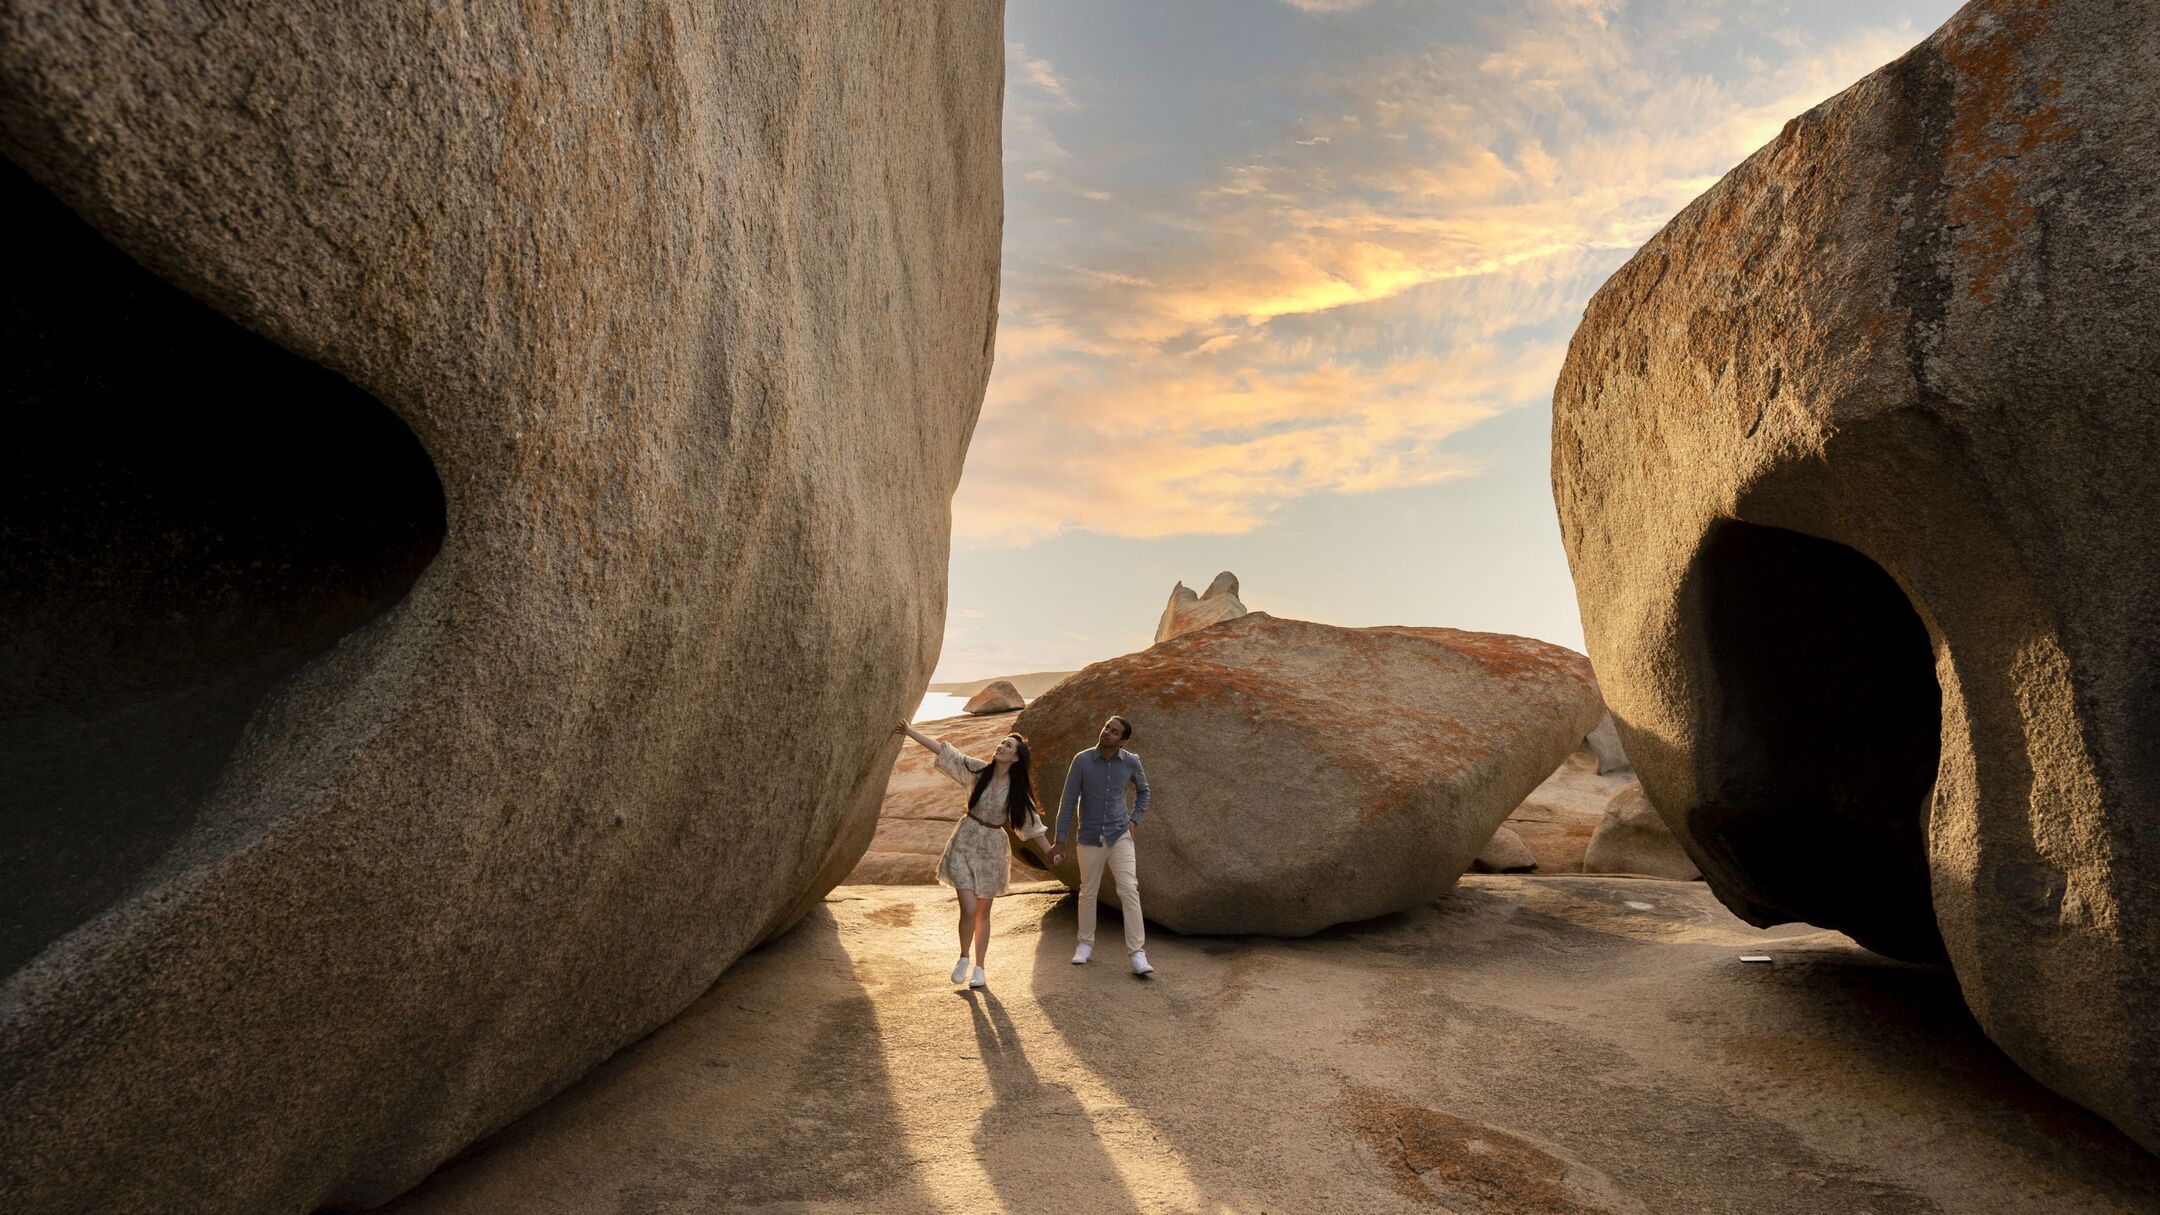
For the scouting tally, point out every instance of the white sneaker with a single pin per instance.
(1140, 963)
(1082, 954)
(960, 969)
(978, 979)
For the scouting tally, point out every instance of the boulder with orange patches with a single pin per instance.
(1305, 775)
(1855, 464)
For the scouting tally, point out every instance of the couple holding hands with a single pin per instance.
(1001, 798)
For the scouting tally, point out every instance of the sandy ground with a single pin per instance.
(1526, 1044)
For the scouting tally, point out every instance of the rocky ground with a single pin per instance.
(1540, 1044)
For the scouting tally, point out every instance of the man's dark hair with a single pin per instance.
(1124, 725)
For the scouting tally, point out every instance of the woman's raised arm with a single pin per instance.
(928, 742)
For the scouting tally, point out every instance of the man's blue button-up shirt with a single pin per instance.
(1097, 787)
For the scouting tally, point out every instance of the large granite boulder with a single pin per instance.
(921, 805)
(1306, 775)
(1632, 839)
(1505, 852)
(459, 579)
(1604, 742)
(1855, 465)
(997, 696)
(1187, 611)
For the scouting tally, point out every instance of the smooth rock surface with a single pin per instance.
(1187, 611)
(921, 805)
(1504, 853)
(1855, 464)
(1632, 839)
(1605, 742)
(998, 696)
(1524, 1045)
(620, 362)
(1306, 775)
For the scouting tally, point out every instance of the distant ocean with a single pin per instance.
(940, 704)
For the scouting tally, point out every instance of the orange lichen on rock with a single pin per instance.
(1307, 775)
(1996, 123)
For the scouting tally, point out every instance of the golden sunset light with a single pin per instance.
(1160, 607)
(1257, 254)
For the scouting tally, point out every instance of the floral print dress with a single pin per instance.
(976, 857)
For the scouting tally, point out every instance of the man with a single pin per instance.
(1095, 784)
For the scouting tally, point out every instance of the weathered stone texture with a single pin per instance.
(1505, 852)
(1306, 775)
(1187, 611)
(654, 336)
(1632, 839)
(998, 696)
(1855, 465)
(1605, 743)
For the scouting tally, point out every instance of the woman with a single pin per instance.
(974, 864)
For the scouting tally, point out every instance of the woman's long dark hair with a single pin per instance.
(1019, 790)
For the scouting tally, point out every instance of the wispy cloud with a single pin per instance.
(1033, 90)
(1324, 310)
(1041, 75)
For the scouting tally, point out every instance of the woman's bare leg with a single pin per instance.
(967, 919)
(982, 928)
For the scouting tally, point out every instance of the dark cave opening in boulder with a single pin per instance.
(1824, 737)
(189, 513)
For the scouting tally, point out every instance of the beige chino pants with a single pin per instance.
(1125, 871)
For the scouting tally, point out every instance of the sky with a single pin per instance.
(1287, 284)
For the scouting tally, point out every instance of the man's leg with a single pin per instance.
(1091, 867)
(1125, 871)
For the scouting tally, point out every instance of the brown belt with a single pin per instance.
(991, 825)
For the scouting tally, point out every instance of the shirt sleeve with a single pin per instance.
(1068, 804)
(1035, 829)
(952, 763)
(1139, 780)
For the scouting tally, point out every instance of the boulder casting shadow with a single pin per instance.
(479, 502)
(1855, 464)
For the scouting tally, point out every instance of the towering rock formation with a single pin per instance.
(1856, 464)
(1187, 611)
(476, 503)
